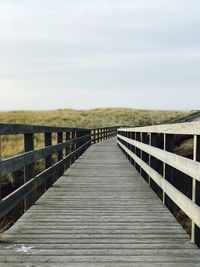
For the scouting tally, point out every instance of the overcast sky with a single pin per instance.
(99, 53)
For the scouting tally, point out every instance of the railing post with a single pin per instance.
(138, 151)
(60, 140)
(90, 137)
(98, 130)
(94, 136)
(125, 135)
(168, 171)
(29, 169)
(127, 145)
(0, 160)
(195, 230)
(164, 167)
(144, 156)
(67, 150)
(60, 153)
(78, 144)
(97, 135)
(153, 161)
(131, 147)
(48, 159)
(73, 147)
(134, 148)
(149, 178)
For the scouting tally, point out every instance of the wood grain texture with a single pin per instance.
(187, 166)
(100, 212)
(17, 162)
(7, 129)
(188, 128)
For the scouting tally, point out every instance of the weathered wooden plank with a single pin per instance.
(99, 264)
(190, 259)
(8, 129)
(102, 251)
(188, 128)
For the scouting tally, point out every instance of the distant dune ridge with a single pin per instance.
(90, 118)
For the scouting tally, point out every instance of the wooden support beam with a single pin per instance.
(0, 161)
(68, 150)
(144, 155)
(98, 135)
(48, 159)
(73, 147)
(138, 151)
(59, 141)
(195, 230)
(101, 134)
(29, 169)
(131, 147)
(60, 153)
(168, 170)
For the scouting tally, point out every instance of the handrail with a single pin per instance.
(17, 162)
(13, 128)
(186, 118)
(72, 141)
(188, 128)
(150, 149)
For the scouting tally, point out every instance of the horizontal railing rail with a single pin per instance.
(17, 162)
(12, 128)
(151, 150)
(193, 116)
(71, 143)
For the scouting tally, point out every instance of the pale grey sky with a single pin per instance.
(99, 53)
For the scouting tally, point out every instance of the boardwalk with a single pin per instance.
(99, 213)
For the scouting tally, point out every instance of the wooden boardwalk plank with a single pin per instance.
(99, 213)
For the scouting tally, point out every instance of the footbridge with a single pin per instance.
(103, 197)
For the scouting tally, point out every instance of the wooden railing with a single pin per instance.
(193, 116)
(71, 143)
(174, 177)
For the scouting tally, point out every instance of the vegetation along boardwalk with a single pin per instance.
(101, 212)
